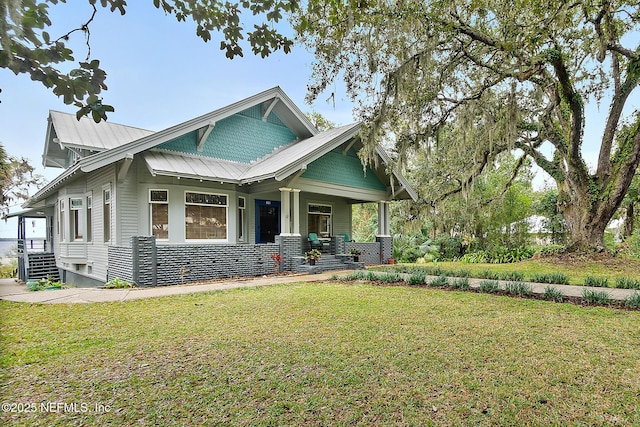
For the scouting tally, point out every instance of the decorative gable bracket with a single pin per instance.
(267, 111)
(349, 145)
(203, 134)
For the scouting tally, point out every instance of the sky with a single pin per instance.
(159, 73)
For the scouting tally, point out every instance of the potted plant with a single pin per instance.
(312, 256)
(355, 253)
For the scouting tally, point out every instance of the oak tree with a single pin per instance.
(27, 45)
(483, 77)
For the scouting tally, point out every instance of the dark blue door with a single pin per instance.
(267, 221)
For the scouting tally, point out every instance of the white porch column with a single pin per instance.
(296, 212)
(285, 211)
(380, 220)
(384, 227)
(387, 219)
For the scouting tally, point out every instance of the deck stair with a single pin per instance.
(42, 265)
(330, 263)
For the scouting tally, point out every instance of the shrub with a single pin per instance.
(502, 255)
(462, 283)
(488, 274)
(552, 294)
(498, 255)
(42, 284)
(555, 278)
(627, 283)
(439, 281)
(370, 276)
(519, 289)
(489, 286)
(462, 273)
(633, 301)
(390, 278)
(416, 279)
(118, 283)
(9, 270)
(550, 250)
(511, 275)
(449, 248)
(478, 257)
(590, 296)
(601, 282)
(410, 254)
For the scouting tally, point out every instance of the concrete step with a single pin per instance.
(329, 263)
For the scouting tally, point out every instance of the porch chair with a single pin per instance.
(316, 243)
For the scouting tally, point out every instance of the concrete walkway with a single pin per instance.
(567, 290)
(11, 290)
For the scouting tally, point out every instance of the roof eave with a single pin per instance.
(53, 185)
(403, 181)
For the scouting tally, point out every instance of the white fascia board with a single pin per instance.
(47, 138)
(105, 158)
(53, 184)
(296, 111)
(354, 193)
(403, 181)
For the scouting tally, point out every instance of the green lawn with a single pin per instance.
(322, 354)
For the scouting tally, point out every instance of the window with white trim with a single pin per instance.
(205, 216)
(319, 219)
(106, 214)
(159, 211)
(77, 218)
(61, 221)
(241, 219)
(89, 218)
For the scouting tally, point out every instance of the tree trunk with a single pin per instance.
(586, 220)
(629, 219)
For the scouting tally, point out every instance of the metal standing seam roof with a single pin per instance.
(87, 134)
(114, 142)
(299, 154)
(207, 168)
(288, 159)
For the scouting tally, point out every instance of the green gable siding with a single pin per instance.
(336, 168)
(243, 137)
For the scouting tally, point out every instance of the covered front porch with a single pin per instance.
(36, 259)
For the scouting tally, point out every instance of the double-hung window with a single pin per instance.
(159, 207)
(89, 219)
(77, 218)
(106, 214)
(241, 221)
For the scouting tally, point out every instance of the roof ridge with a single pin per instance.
(106, 121)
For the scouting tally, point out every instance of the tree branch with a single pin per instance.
(509, 183)
(479, 169)
(618, 102)
(574, 101)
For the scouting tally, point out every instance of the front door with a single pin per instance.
(267, 221)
